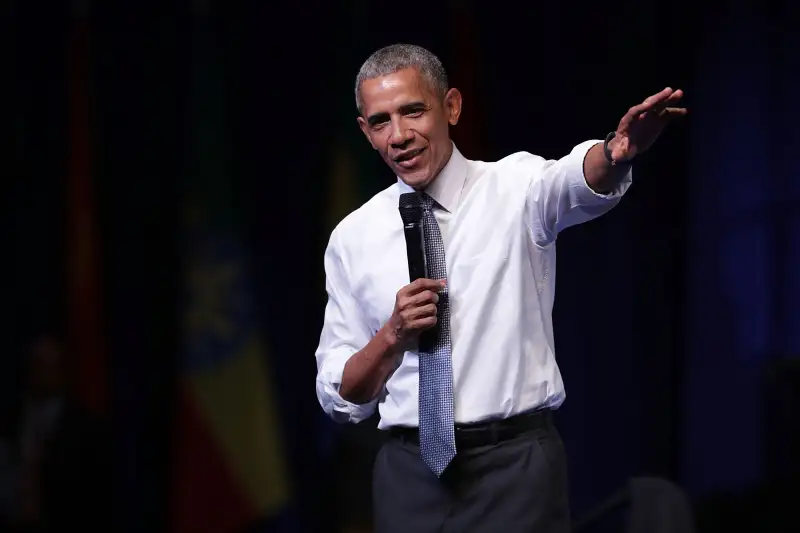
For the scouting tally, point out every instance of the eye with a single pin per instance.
(415, 113)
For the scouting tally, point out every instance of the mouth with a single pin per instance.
(410, 158)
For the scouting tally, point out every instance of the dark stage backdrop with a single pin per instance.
(742, 253)
(668, 309)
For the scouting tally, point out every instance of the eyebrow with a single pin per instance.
(413, 107)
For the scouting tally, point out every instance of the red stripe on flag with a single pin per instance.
(85, 335)
(205, 496)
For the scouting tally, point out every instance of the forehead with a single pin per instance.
(386, 93)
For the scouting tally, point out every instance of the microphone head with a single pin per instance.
(410, 199)
(410, 207)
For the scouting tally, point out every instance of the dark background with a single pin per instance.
(676, 314)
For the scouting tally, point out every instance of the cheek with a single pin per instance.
(377, 142)
(381, 145)
(435, 129)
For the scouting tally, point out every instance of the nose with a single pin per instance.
(400, 136)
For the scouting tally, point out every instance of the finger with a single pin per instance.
(424, 323)
(415, 313)
(675, 111)
(661, 108)
(424, 311)
(423, 298)
(674, 98)
(424, 284)
(418, 299)
(650, 102)
(667, 113)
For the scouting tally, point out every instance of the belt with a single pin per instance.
(485, 433)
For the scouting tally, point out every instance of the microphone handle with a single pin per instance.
(417, 268)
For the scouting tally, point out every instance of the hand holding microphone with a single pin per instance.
(415, 309)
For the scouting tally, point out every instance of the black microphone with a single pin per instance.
(411, 212)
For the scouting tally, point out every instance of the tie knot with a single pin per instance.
(427, 201)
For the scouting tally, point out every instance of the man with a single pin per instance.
(473, 446)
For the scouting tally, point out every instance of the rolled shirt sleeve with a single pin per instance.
(344, 332)
(560, 197)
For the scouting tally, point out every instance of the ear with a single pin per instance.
(365, 130)
(452, 106)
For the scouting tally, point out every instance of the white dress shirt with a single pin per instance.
(499, 222)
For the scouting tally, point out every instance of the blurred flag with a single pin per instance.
(345, 192)
(230, 471)
(85, 337)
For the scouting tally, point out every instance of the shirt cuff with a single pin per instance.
(336, 407)
(586, 195)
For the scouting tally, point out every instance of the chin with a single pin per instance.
(417, 180)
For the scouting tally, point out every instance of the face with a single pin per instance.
(408, 124)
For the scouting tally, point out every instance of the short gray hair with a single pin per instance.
(396, 57)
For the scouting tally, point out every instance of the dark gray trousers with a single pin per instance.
(516, 486)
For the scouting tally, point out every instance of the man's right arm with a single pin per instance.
(345, 337)
(366, 372)
(352, 364)
(414, 311)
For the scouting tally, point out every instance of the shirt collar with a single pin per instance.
(447, 186)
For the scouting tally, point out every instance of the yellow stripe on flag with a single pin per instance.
(342, 184)
(235, 401)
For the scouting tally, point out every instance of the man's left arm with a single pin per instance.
(592, 178)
